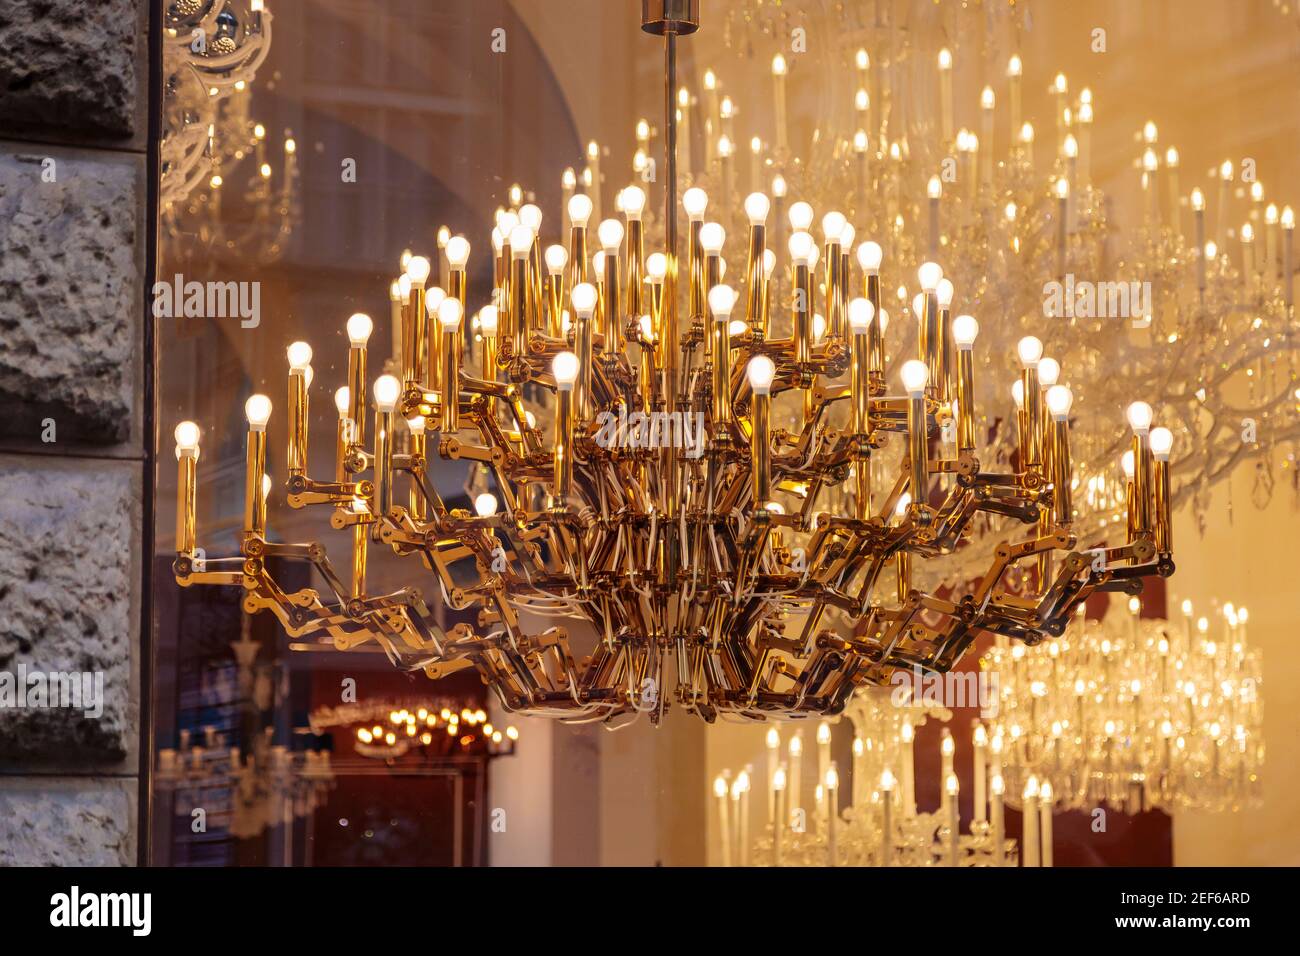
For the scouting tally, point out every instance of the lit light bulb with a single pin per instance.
(801, 248)
(934, 188)
(943, 292)
(579, 209)
(818, 328)
(1030, 350)
(756, 208)
(832, 225)
(633, 202)
(1162, 442)
(1126, 463)
(778, 186)
(722, 299)
(882, 317)
(1049, 372)
(521, 241)
(343, 401)
(769, 263)
(531, 217)
(418, 270)
(485, 505)
(712, 236)
(387, 389)
(1018, 393)
(565, 369)
(1059, 400)
(847, 235)
(801, 216)
(695, 200)
(488, 320)
(861, 312)
(258, 411)
(761, 371)
(610, 234)
(964, 331)
(299, 356)
(869, 256)
(187, 436)
(359, 328)
(915, 375)
(432, 300)
(450, 313)
(656, 266)
(929, 275)
(1139, 417)
(416, 425)
(457, 252)
(584, 299)
(737, 327)
(557, 257)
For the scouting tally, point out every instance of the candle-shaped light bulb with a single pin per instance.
(258, 412)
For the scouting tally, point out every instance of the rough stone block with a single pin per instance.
(68, 69)
(65, 821)
(69, 573)
(70, 296)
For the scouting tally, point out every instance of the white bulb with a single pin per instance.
(418, 270)
(584, 299)
(187, 436)
(915, 375)
(450, 314)
(656, 266)
(498, 240)
(818, 328)
(557, 257)
(432, 299)
(343, 401)
(485, 505)
(778, 186)
(861, 312)
(769, 263)
(307, 376)
(457, 251)
(802, 247)
(404, 287)
(258, 411)
(832, 225)
(1059, 400)
(801, 216)
(359, 328)
(598, 266)
(929, 275)
(943, 292)
(1139, 416)
(633, 200)
(882, 317)
(869, 256)
(488, 320)
(695, 201)
(1018, 393)
(760, 372)
(647, 325)
(610, 234)
(521, 241)
(531, 217)
(579, 209)
(1126, 463)
(565, 369)
(506, 220)
(416, 425)
(1162, 442)
(1030, 350)
(737, 327)
(847, 235)
(299, 356)
(756, 208)
(964, 331)
(387, 390)
(918, 305)
(722, 299)
(712, 236)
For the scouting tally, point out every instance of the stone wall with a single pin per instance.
(74, 82)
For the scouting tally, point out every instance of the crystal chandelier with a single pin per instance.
(1135, 713)
(665, 512)
(873, 819)
(1198, 307)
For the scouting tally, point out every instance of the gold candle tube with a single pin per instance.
(536, 302)
(649, 363)
(555, 304)
(383, 466)
(186, 494)
(754, 280)
(860, 376)
(945, 389)
(802, 305)
(834, 263)
(297, 450)
(360, 549)
(846, 270)
(1163, 519)
(563, 442)
(611, 305)
(695, 262)
(875, 334)
(342, 442)
(917, 448)
(396, 319)
(456, 285)
(904, 564)
(254, 502)
(519, 303)
(721, 367)
(712, 276)
(1032, 439)
(635, 267)
(584, 301)
(419, 450)
(965, 399)
(488, 318)
(1141, 503)
(414, 358)
(1062, 507)
(930, 342)
(762, 458)
(577, 265)
(450, 373)
(357, 393)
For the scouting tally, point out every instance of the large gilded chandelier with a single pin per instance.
(665, 521)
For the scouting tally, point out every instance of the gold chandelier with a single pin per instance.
(718, 567)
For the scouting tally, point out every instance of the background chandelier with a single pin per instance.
(1134, 712)
(717, 568)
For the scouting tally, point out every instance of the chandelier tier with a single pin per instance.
(665, 512)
